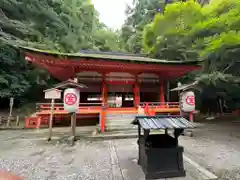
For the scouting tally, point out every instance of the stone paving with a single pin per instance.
(127, 156)
(97, 160)
(215, 146)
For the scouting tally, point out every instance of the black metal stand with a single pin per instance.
(160, 156)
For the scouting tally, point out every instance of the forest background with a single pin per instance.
(208, 31)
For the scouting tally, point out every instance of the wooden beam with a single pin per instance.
(115, 82)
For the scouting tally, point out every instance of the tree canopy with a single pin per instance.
(166, 29)
(65, 26)
(186, 30)
(211, 33)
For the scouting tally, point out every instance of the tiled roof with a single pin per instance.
(163, 122)
(112, 53)
(68, 84)
(185, 87)
(110, 56)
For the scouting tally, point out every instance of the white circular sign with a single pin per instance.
(71, 100)
(187, 101)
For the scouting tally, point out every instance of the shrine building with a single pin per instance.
(117, 84)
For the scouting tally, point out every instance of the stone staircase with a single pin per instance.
(118, 122)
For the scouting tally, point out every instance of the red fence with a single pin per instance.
(44, 109)
(160, 104)
(59, 106)
(150, 108)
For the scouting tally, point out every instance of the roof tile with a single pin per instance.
(163, 122)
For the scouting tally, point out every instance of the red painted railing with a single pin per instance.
(160, 104)
(94, 106)
(59, 106)
(43, 111)
(150, 108)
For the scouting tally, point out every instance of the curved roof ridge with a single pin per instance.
(111, 57)
(117, 53)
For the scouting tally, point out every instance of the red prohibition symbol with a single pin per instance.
(70, 99)
(190, 100)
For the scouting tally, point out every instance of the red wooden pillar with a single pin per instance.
(104, 104)
(104, 92)
(161, 91)
(136, 92)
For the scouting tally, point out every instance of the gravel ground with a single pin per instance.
(57, 162)
(215, 146)
(98, 160)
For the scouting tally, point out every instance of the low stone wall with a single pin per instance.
(9, 121)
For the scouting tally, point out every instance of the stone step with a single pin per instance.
(121, 114)
(115, 134)
(116, 122)
(119, 121)
(119, 118)
(120, 128)
(124, 115)
(114, 117)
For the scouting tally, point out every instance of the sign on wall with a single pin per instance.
(71, 99)
(187, 101)
(53, 94)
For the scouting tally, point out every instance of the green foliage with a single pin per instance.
(138, 17)
(165, 37)
(65, 26)
(107, 40)
(187, 30)
(12, 85)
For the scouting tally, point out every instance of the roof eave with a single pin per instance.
(112, 57)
